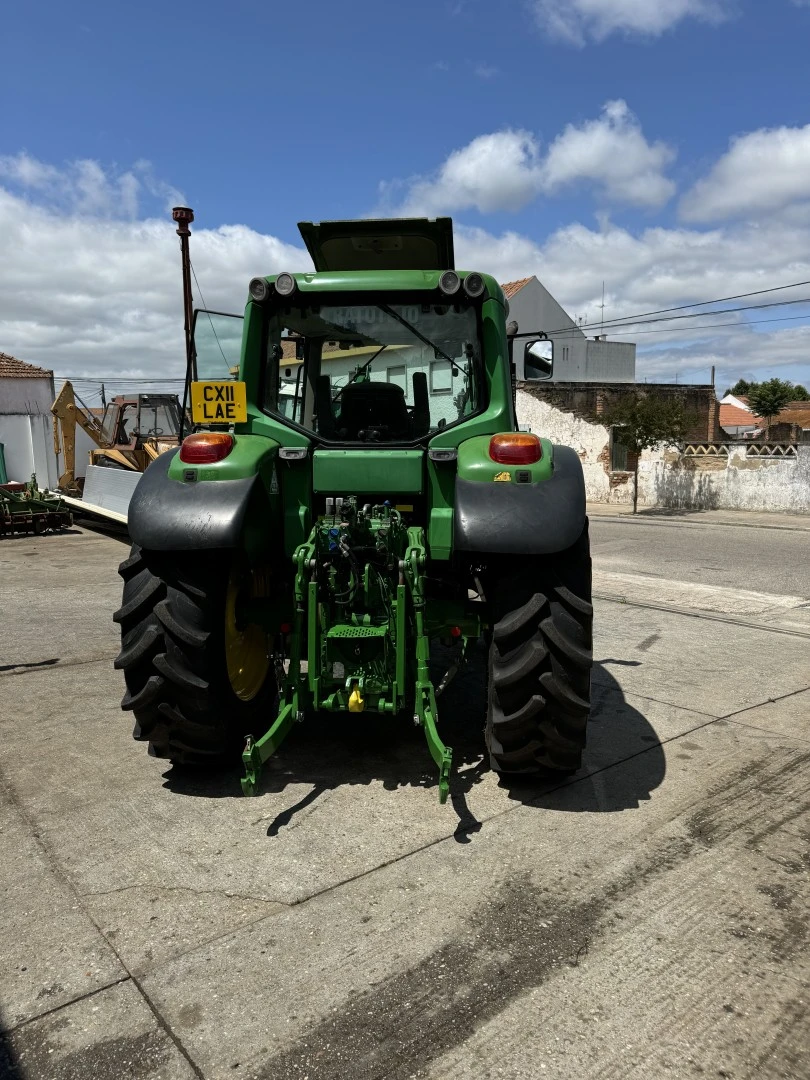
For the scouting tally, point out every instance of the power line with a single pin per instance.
(698, 303)
(708, 314)
(717, 326)
(638, 320)
(114, 381)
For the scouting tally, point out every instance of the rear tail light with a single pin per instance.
(206, 447)
(515, 448)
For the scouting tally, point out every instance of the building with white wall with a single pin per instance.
(26, 431)
(577, 358)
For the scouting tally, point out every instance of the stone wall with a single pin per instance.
(667, 477)
(737, 482)
(591, 400)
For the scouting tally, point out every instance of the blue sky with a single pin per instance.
(581, 140)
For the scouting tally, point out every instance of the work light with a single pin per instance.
(449, 283)
(259, 289)
(474, 286)
(285, 284)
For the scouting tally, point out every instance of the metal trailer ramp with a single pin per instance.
(107, 493)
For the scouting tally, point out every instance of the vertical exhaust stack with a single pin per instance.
(184, 216)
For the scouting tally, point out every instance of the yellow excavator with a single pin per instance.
(133, 431)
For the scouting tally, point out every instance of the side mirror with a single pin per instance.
(538, 360)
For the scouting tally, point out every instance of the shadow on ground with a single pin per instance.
(113, 529)
(28, 664)
(329, 751)
(11, 537)
(10, 1068)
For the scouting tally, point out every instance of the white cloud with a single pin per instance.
(102, 297)
(96, 295)
(494, 172)
(85, 188)
(762, 172)
(658, 268)
(505, 170)
(612, 153)
(579, 21)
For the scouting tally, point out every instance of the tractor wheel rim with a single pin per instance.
(246, 648)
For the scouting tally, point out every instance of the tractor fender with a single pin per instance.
(522, 519)
(170, 515)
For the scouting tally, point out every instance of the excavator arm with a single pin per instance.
(66, 415)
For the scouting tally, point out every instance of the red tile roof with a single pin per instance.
(795, 412)
(732, 416)
(511, 287)
(12, 368)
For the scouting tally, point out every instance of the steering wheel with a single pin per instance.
(373, 433)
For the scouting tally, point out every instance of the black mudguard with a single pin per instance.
(167, 515)
(522, 519)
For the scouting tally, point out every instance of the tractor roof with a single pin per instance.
(391, 244)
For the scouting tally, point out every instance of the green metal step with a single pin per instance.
(347, 631)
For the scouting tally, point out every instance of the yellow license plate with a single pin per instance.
(220, 402)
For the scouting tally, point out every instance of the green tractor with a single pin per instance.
(362, 490)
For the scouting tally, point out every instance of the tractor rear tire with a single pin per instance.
(540, 663)
(174, 630)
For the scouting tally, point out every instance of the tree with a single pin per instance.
(741, 388)
(646, 421)
(767, 399)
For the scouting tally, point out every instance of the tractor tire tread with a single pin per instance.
(514, 621)
(540, 664)
(146, 696)
(187, 634)
(136, 650)
(519, 663)
(180, 675)
(141, 604)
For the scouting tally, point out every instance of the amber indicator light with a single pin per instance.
(206, 447)
(515, 448)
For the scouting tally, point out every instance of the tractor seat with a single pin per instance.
(373, 407)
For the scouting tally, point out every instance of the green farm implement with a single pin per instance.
(355, 490)
(26, 509)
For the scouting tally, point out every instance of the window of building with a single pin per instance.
(441, 378)
(398, 375)
(618, 452)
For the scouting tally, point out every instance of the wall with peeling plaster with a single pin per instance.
(666, 478)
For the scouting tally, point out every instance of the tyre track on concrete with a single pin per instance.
(524, 938)
(688, 974)
(671, 609)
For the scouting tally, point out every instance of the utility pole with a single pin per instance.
(602, 331)
(184, 216)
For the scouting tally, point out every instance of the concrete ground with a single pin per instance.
(648, 918)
